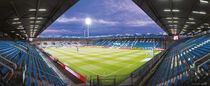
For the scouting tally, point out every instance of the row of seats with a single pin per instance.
(145, 43)
(175, 66)
(26, 57)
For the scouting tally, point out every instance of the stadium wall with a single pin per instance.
(165, 42)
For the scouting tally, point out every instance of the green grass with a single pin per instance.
(101, 61)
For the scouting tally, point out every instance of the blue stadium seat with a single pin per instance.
(176, 63)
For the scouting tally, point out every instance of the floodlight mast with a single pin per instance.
(88, 22)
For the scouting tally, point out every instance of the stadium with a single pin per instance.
(33, 54)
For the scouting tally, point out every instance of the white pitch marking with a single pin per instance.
(106, 56)
(73, 61)
(80, 55)
(146, 59)
(133, 55)
(91, 58)
(64, 57)
(92, 54)
(110, 62)
(123, 58)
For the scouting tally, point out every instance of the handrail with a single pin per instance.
(7, 63)
(18, 48)
(49, 74)
(172, 78)
(25, 74)
(196, 65)
(202, 60)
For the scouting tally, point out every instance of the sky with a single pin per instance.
(109, 17)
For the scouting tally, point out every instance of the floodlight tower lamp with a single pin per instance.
(88, 21)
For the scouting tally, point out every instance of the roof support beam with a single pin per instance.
(37, 9)
(17, 14)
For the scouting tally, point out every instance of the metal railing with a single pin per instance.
(9, 65)
(191, 71)
(202, 60)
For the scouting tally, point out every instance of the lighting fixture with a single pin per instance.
(16, 18)
(199, 12)
(204, 1)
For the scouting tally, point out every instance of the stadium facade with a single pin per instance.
(184, 61)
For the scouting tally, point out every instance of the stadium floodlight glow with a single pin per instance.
(175, 21)
(33, 25)
(12, 31)
(199, 12)
(191, 18)
(31, 21)
(205, 24)
(35, 30)
(198, 28)
(168, 18)
(36, 18)
(42, 9)
(172, 21)
(167, 10)
(204, 1)
(172, 18)
(32, 10)
(20, 28)
(175, 10)
(36, 21)
(190, 22)
(16, 22)
(175, 18)
(186, 25)
(16, 18)
(39, 17)
(23, 31)
(31, 17)
(26, 35)
(88, 21)
(174, 31)
(173, 25)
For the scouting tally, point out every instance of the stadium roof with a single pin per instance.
(28, 18)
(178, 17)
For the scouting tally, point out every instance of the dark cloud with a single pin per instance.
(109, 17)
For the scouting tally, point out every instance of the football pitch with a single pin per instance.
(89, 61)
